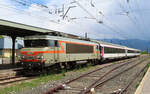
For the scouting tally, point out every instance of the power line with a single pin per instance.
(84, 9)
(127, 13)
(95, 17)
(40, 6)
(114, 30)
(141, 16)
(106, 18)
(135, 18)
(109, 27)
(16, 10)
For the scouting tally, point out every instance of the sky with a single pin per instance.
(100, 19)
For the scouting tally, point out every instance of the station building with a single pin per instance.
(6, 46)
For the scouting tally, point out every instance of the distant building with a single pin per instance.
(6, 46)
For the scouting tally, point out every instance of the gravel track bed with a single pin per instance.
(88, 80)
(81, 84)
(51, 84)
(70, 75)
(120, 82)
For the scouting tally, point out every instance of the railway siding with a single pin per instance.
(45, 83)
(69, 75)
(143, 87)
(118, 84)
(85, 85)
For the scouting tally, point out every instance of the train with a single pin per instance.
(41, 51)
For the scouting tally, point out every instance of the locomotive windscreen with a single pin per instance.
(78, 48)
(41, 43)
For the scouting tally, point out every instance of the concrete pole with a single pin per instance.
(86, 35)
(13, 49)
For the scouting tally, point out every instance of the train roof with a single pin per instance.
(108, 44)
(79, 40)
(57, 38)
(114, 45)
(132, 49)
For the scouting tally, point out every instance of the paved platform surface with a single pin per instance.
(144, 87)
(7, 70)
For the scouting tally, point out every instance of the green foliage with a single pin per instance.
(144, 52)
(43, 79)
(63, 72)
(137, 85)
(1, 36)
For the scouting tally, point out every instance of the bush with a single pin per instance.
(144, 52)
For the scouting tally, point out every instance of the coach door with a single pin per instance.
(98, 49)
(101, 51)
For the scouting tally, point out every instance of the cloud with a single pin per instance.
(116, 23)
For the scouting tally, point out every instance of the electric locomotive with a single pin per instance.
(45, 50)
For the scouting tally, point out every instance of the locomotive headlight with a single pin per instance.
(18, 56)
(39, 57)
(23, 57)
(42, 57)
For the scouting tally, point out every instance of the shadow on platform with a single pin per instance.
(7, 66)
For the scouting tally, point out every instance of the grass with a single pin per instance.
(46, 78)
(83, 69)
(1, 36)
(28, 85)
(41, 80)
(63, 72)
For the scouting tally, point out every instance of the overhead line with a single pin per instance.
(135, 18)
(140, 14)
(106, 18)
(96, 19)
(28, 13)
(130, 18)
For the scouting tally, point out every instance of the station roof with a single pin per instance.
(19, 30)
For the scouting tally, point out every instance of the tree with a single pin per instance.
(1, 36)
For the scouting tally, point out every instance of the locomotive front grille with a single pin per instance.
(31, 57)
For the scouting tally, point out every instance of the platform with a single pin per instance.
(144, 87)
(8, 70)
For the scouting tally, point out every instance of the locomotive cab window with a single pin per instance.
(53, 43)
(41, 43)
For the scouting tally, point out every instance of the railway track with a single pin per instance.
(11, 80)
(7, 80)
(107, 80)
(91, 81)
(129, 84)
